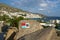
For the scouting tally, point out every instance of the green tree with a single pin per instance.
(4, 18)
(14, 22)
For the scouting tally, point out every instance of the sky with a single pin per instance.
(46, 7)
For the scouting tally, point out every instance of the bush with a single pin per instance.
(14, 22)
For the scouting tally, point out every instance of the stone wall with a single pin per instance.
(34, 26)
(1, 25)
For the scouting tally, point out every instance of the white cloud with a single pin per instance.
(49, 11)
(47, 4)
(41, 9)
(43, 4)
(53, 3)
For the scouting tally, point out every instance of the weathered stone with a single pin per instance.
(34, 26)
(10, 33)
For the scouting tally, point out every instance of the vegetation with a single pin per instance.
(13, 22)
(57, 26)
(4, 18)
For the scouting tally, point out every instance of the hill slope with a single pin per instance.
(9, 9)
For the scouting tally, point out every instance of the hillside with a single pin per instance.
(6, 9)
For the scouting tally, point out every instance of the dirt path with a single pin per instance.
(54, 36)
(38, 35)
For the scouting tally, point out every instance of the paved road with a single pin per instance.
(38, 35)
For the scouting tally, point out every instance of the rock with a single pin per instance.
(33, 26)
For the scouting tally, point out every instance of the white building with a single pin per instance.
(57, 21)
(17, 14)
(48, 24)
